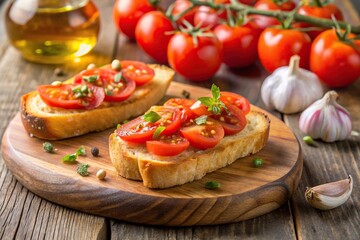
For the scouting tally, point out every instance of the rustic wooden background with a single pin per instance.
(24, 215)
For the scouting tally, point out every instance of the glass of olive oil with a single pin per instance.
(52, 31)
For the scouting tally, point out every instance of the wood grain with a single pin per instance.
(246, 191)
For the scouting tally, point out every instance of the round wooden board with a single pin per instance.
(246, 191)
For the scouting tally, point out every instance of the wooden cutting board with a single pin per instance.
(246, 191)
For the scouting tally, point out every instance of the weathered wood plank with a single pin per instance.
(24, 215)
(331, 162)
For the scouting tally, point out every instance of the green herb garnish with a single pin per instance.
(81, 151)
(158, 131)
(118, 77)
(309, 140)
(71, 158)
(258, 162)
(212, 184)
(214, 104)
(81, 91)
(108, 92)
(151, 117)
(48, 147)
(201, 120)
(82, 169)
(91, 79)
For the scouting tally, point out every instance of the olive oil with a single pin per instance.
(52, 31)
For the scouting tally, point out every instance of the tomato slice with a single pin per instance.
(116, 88)
(203, 136)
(233, 122)
(200, 110)
(137, 71)
(184, 106)
(139, 130)
(232, 98)
(72, 96)
(168, 145)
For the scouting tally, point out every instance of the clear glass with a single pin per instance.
(49, 31)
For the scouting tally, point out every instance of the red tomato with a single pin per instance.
(325, 11)
(184, 106)
(105, 78)
(72, 96)
(208, 17)
(335, 62)
(140, 131)
(263, 21)
(239, 43)
(168, 145)
(229, 98)
(182, 5)
(127, 13)
(152, 34)
(232, 122)
(137, 71)
(203, 136)
(195, 61)
(276, 46)
(248, 2)
(199, 109)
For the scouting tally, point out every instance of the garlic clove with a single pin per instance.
(291, 89)
(330, 195)
(326, 119)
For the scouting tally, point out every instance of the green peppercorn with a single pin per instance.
(95, 151)
(212, 184)
(48, 147)
(309, 140)
(258, 162)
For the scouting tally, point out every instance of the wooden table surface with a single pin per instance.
(24, 215)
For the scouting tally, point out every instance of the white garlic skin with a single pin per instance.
(291, 89)
(325, 119)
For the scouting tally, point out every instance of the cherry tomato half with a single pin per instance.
(232, 121)
(116, 90)
(137, 71)
(184, 106)
(168, 145)
(203, 136)
(140, 131)
(230, 98)
(276, 46)
(72, 96)
(127, 13)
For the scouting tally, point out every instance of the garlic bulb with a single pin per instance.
(330, 195)
(291, 89)
(326, 119)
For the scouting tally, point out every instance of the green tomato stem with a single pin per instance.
(235, 6)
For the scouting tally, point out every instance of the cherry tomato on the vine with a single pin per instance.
(239, 43)
(324, 11)
(208, 17)
(196, 58)
(153, 33)
(127, 13)
(336, 63)
(182, 5)
(264, 21)
(276, 46)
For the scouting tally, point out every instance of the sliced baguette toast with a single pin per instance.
(54, 123)
(133, 161)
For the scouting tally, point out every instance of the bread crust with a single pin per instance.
(54, 123)
(134, 162)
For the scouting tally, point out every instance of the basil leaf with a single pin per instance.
(71, 158)
(201, 120)
(215, 91)
(91, 79)
(118, 77)
(158, 131)
(212, 184)
(151, 117)
(206, 101)
(81, 151)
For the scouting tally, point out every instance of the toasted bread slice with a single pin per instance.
(54, 123)
(132, 161)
